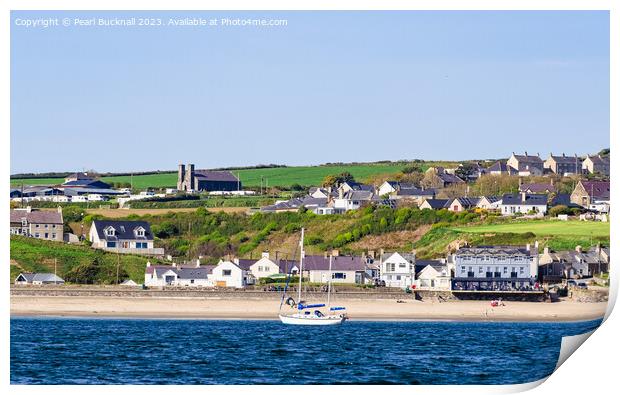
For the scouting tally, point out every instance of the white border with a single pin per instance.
(592, 369)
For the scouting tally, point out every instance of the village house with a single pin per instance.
(489, 203)
(501, 168)
(38, 279)
(596, 164)
(442, 177)
(191, 180)
(526, 165)
(523, 203)
(125, 237)
(256, 269)
(462, 204)
(324, 193)
(348, 186)
(434, 204)
(389, 187)
(413, 195)
(178, 275)
(559, 265)
(563, 165)
(537, 187)
(352, 199)
(495, 268)
(40, 224)
(345, 269)
(398, 269)
(229, 274)
(433, 275)
(289, 266)
(590, 192)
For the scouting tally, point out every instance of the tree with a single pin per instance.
(412, 169)
(334, 180)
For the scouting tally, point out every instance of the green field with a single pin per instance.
(277, 176)
(545, 228)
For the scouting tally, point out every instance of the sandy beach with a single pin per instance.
(372, 309)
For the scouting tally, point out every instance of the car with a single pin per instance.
(582, 285)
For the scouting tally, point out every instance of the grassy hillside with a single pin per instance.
(277, 176)
(75, 263)
(545, 228)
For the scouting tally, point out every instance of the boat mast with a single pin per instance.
(301, 264)
(329, 282)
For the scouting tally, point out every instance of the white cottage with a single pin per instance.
(229, 274)
(398, 270)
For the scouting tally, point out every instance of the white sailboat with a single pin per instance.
(310, 314)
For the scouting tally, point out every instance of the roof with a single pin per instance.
(494, 250)
(344, 263)
(42, 277)
(182, 272)
(537, 187)
(415, 192)
(356, 194)
(79, 176)
(467, 201)
(245, 263)
(210, 175)
(88, 183)
(596, 189)
(37, 216)
(491, 199)
(408, 256)
(83, 191)
(528, 158)
(449, 178)
(124, 230)
(356, 186)
(530, 199)
(437, 203)
(434, 263)
(565, 159)
(598, 160)
(563, 199)
(286, 265)
(499, 166)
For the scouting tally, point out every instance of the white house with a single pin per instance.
(352, 199)
(489, 202)
(229, 274)
(38, 279)
(495, 268)
(264, 267)
(434, 276)
(523, 203)
(345, 269)
(125, 237)
(177, 275)
(398, 270)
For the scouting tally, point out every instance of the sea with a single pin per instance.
(165, 351)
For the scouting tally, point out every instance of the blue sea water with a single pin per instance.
(143, 351)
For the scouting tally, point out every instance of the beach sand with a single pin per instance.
(372, 309)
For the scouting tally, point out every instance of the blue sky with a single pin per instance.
(328, 87)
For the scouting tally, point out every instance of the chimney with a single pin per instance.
(578, 249)
(546, 250)
(59, 209)
(538, 154)
(265, 254)
(28, 209)
(563, 156)
(335, 253)
(523, 196)
(325, 254)
(198, 262)
(536, 244)
(527, 246)
(381, 251)
(181, 177)
(174, 264)
(236, 261)
(340, 193)
(525, 153)
(148, 263)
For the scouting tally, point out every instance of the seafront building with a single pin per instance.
(495, 268)
(398, 269)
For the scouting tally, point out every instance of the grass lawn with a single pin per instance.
(545, 228)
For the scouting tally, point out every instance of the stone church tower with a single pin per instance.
(185, 179)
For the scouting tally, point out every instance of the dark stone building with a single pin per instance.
(190, 179)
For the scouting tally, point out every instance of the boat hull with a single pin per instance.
(301, 320)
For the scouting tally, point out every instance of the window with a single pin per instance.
(46, 226)
(36, 235)
(24, 222)
(140, 232)
(339, 276)
(521, 270)
(109, 231)
(36, 226)
(402, 265)
(47, 235)
(479, 269)
(462, 269)
(226, 272)
(111, 244)
(53, 226)
(398, 278)
(53, 235)
(505, 270)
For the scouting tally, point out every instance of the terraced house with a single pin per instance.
(125, 237)
(40, 224)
